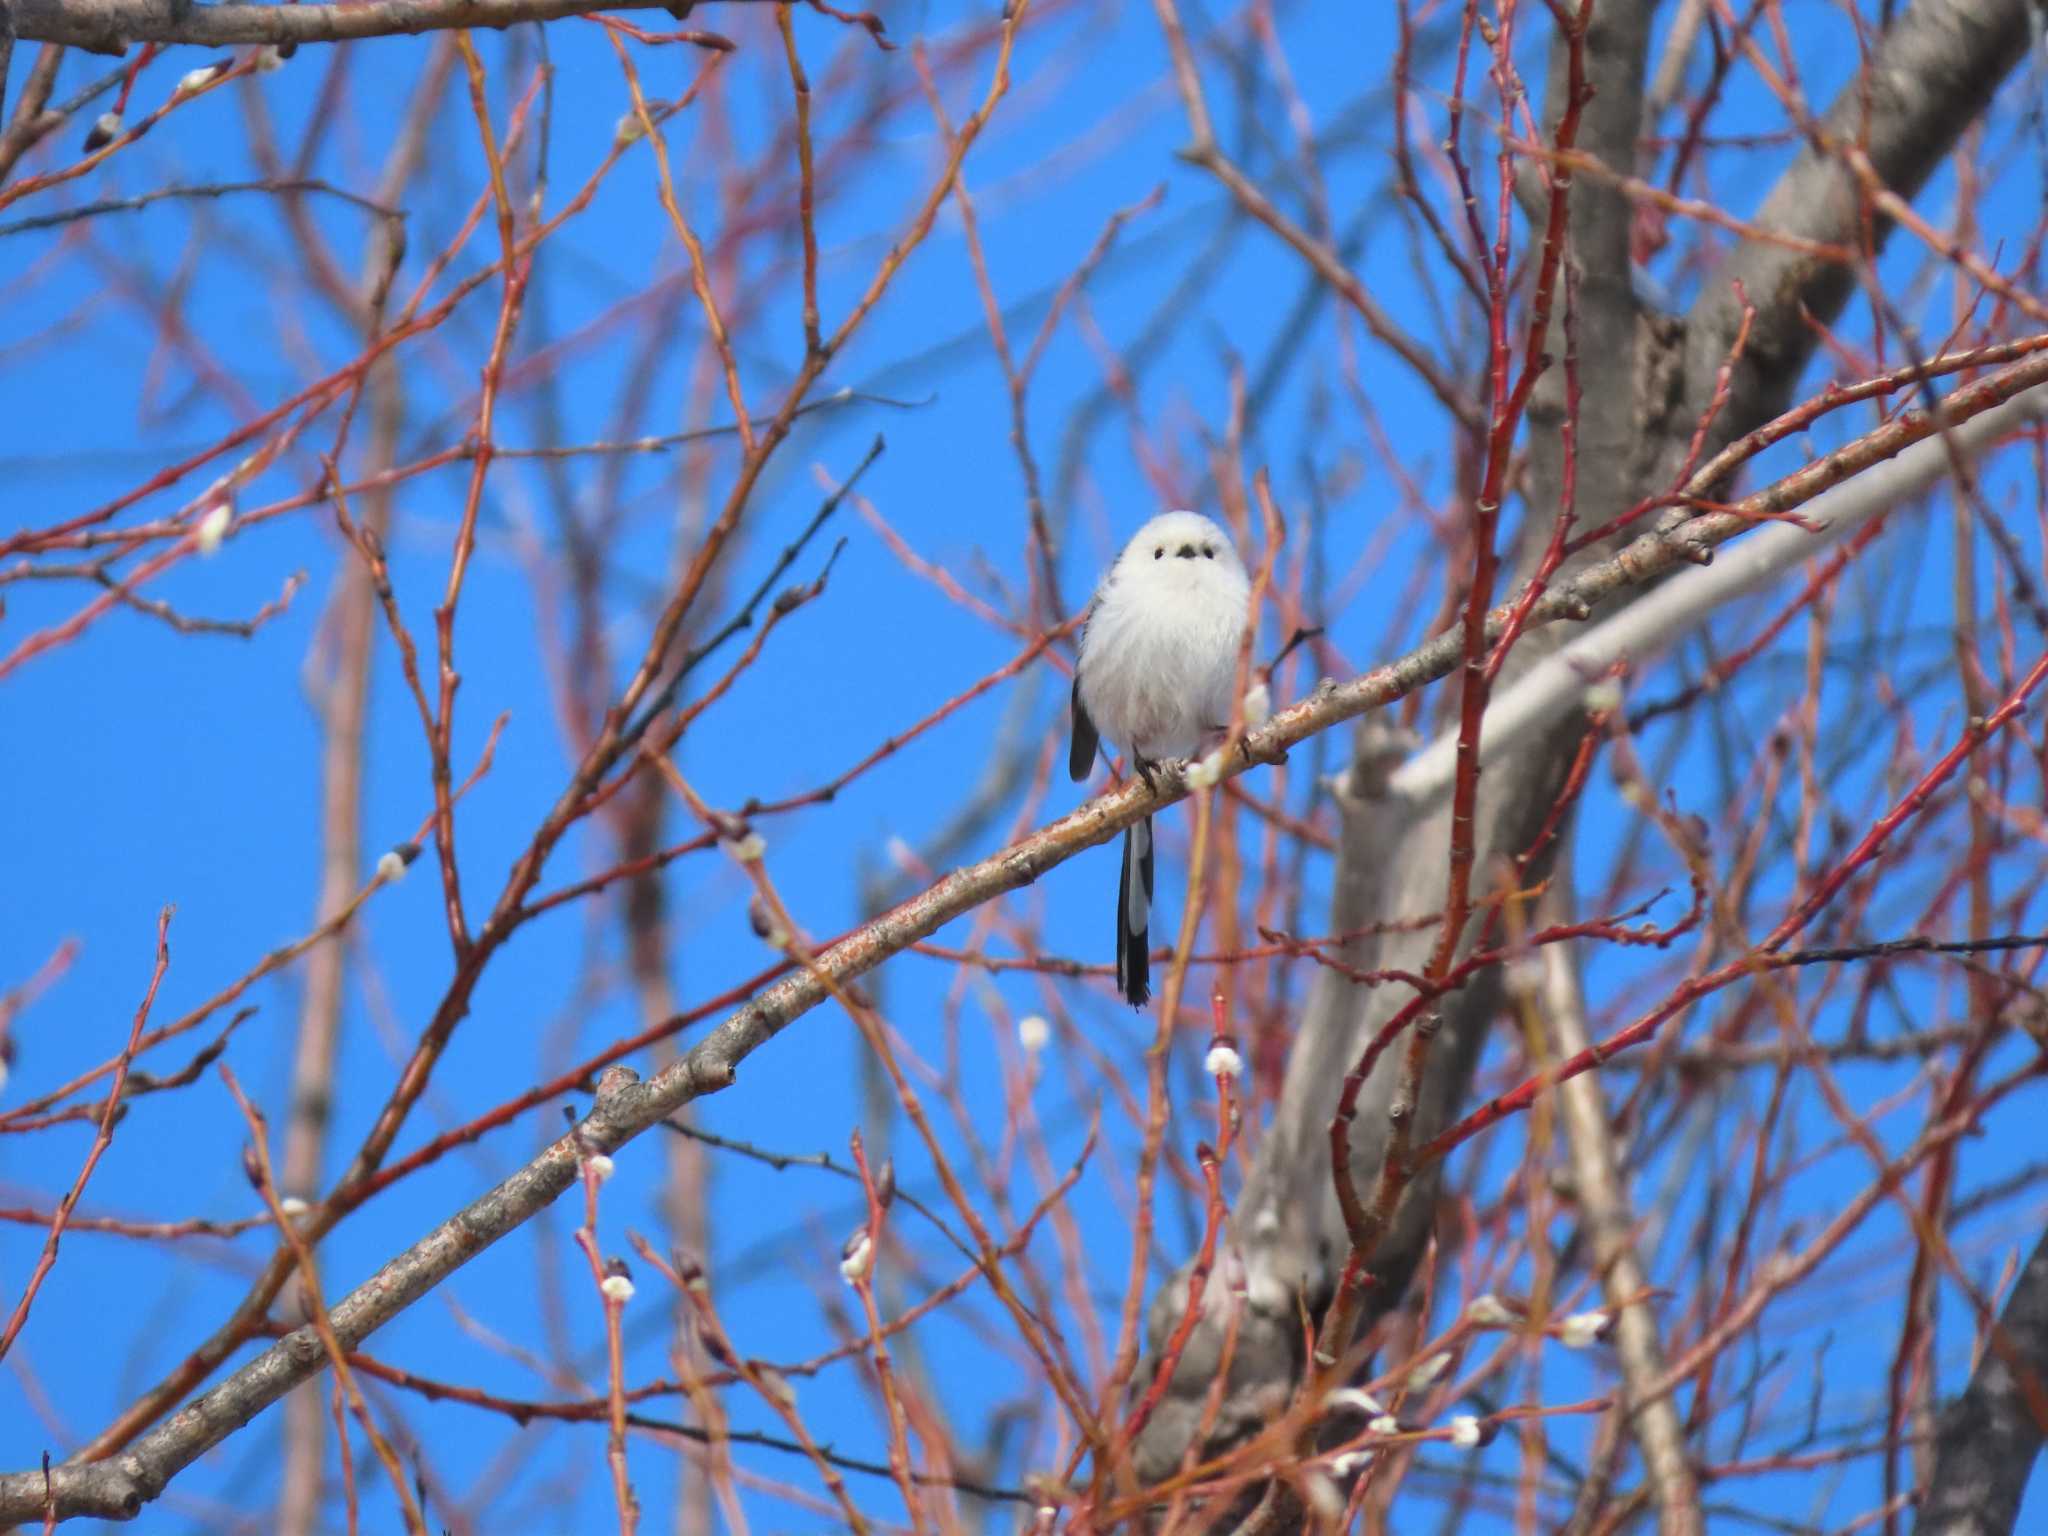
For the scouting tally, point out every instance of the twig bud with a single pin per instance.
(200, 78)
(1469, 1433)
(1353, 1400)
(1583, 1329)
(1489, 1311)
(856, 1258)
(1603, 698)
(1427, 1372)
(1223, 1060)
(213, 528)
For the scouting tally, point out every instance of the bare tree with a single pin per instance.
(1484, 1154)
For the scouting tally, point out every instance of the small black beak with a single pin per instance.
(1186, 552)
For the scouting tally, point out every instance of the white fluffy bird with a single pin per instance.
(1157, 672)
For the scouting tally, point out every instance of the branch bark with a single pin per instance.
(110, 26)
(1990, 1437)
(1651, 625)
(1599, 1180)
(31, 121)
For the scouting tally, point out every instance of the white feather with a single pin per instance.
(1159, 656)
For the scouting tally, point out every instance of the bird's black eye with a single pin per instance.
(1160, 553)
(1208, 551)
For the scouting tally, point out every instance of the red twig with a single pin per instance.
(102, 1139)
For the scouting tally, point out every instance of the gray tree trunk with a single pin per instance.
(1990, 1437)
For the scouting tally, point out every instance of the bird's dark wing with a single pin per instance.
(1086, 739)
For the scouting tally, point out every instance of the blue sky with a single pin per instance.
(145, 768)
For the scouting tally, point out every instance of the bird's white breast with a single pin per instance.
(1159, 659)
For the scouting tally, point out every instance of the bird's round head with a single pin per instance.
(1173, 539)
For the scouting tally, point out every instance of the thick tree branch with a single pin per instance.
(1990, 1437)
(1651, 625)
(1600, 1189)
(111, 26)
(1930, 76)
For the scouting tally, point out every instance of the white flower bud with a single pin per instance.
(617, 1288)
(1468, 1434)
(1582, 1329)
(196, 79)
(105, 129)
(1488, 1311)
(629, 130)
(1223, 1061)
(599, 1167)
(1385, 1424)
(268, 60)
(1523, 975)
(1258, 705)
(1034, 1033)
(1350, 1462)
(859, 1258)
(1205, 773)
(1428, 1371)
(213, 527)
(292, 1205)
(390, 867)
(1603, 697)
(1353, 1399)
(746, 849)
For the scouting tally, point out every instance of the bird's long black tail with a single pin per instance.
(1134, 916)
